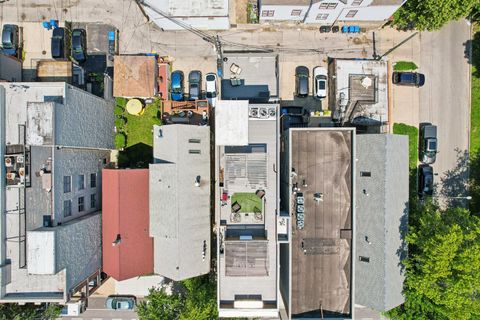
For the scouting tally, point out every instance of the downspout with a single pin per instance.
(308, 10)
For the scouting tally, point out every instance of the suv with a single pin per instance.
(177, 85)
(58, 39)
(10, 39)
(194, 85)
(211, 91)
(408, 79)
(301, 81)
(425, 180)
(428, 143)
(320, 82)
(79, 45)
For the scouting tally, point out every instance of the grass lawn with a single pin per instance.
(138, 129)
(249, 201)
(475, 111)
(412, 133)
(404, 66)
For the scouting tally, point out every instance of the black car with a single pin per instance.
(58, 41)
(194, 85)
(10, 40)
(301, 81)
(408, 79)
(425, 180)
(79, 45)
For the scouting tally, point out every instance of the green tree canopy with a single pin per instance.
(196, 299)
(13, 311)
(432, 14)
(443, 267)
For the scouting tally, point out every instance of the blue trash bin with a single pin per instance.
(351, 29)
(46, 25)
(54, 23)
(344, 29)
(357, 29)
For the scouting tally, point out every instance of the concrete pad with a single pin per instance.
(36, 44)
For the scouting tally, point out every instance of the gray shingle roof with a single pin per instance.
(381, 219)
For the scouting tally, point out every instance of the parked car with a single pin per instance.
(425, 180)
(408, 79)
(320, 82)
(195, 85)
(211, 90)
(121, 302)
(177, 85)
(301, 81)
(428, 143)
(10, 40)
(79, 45)
(58, 41)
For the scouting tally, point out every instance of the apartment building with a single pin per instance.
(55, 140)
(328, 12)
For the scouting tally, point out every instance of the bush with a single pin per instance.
(118, 111)
(121, 102)
(405, 66)
(120, 123)
(120, 140)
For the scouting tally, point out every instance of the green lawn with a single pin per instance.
(412, 133)
(404, 66)
(138, 130)
(249, 201)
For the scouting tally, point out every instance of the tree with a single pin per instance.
(443, 267)
(13, 311)
(194, 299)
(432, 14)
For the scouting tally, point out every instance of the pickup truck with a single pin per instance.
(428, 143)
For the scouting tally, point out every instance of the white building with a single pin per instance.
(199, 14)
(328, 12)
(55, 140)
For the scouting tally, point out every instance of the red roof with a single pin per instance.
(125, 222)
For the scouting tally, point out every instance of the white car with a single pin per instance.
(211, 91)
(320, 81)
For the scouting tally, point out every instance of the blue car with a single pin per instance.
(10, 41)
(177, 86)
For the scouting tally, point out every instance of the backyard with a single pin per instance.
(137, 143)
(249, 202)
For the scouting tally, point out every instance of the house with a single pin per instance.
(318, 212)
(179, 183)
(135, 76)
(358, 93)
(180, 14)
(329, 12)
(250, 76)
(55, 140)
(246, 205)
(381, 219)
(127, 245)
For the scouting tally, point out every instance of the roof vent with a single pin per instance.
(197, 181)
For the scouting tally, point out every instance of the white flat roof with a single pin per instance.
(231, 123)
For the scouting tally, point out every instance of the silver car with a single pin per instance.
(121, 302)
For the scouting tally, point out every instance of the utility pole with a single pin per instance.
(218, 49)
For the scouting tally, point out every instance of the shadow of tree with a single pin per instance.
(402, 251)
(139, 155)
(455, 182)
(475, 59)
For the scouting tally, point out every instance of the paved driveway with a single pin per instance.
(96, 311)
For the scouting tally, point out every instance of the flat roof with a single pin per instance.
(135, 76)
(321, 263)
(180, 210)
(231, 123)
(256, 69)
(192, 8)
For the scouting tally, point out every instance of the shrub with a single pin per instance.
(405, 66)
(118, 111)
(119, 123)
(120, 140)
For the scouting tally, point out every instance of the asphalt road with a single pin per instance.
(445, 101)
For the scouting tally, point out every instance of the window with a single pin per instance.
(296, 13)
(67, 184)
(351, 13)
(364, 259)
(268, 13)
(365, 174)
(322, 16)
(194, 140)
(194, 151)
(81, 204)
(357, 2)
(328, 5)
(93, 180)
(67, 208)
(93, 201)
(81, 182)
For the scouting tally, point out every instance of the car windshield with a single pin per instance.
(432, 145)
(211, 94)
(210, 77)
(321, 84)
(7, 39)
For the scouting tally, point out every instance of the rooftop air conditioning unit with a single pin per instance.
(20, 159)
(254, 112)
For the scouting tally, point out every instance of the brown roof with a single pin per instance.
(135, 76)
